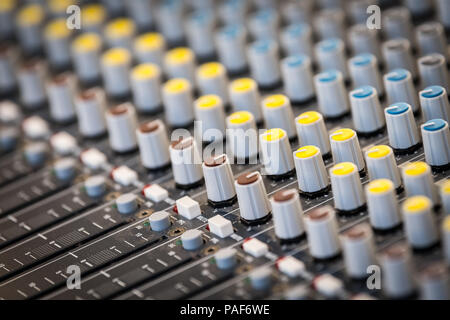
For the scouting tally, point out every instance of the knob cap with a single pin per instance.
(127, 203)
(145, 86)
(296, 39)
(90, 106)
(86, 50)
(401, 127)
(381, 164)
(159, 221)
(121, 123)
(359, 252)
(420, 227)
(209, 111)
(264, 23)
(35, 127)
(297, 76)
(400, 88)
(311, 173)
(244, 96)
(200, 25)
(433, 71)
(242, 136)
(153, 144)
(219, 180)
(433, 284)
(382, 204)
(230, 43)
(347, 188)
(178, 102)
(397, 280)
(364, 72)
(261, 278)
(345, 147)
(330, 55)
(263, 61)
(36, 153)
(278, 113)
(180, 63)
(120, 32)
(418, 180)
(287, 215)
(252, 197)
(431, 39)
(149, 48)
(322, 230)
(367, 113)
(363, 40)
(60, 97)
(330, 23)
(397, 23)
(31, 84)
(331, 95)
(276, 152)
(192, 239)
(226, 258)
(186, 163)
(434, 103)
(311, 130)
(212, 79)
(115, 66)
(95, 186)
(65, 168)
(436, 142)
(397, 55)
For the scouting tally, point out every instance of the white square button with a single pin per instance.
(220, 226)
(155, 193)
(255, 247)
(291, 266)
(92, 158)
(124, 175)
(188, 208)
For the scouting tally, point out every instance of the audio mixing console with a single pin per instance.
(229, 149)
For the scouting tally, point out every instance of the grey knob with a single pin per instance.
(433, 71)
(95, 186)
(127, 203)
(434, 282)
(287, 215)
(364, 72)
(61, 98)
(219, 179)
(192, 239)
(65, 168)
(159, 221)
(431, 39)
(226, 258)
(261, 278)
(401, 127)
(436, 142)
(367, 113)
(397, 55)
(434, 103)
(331, 94)
(363, 40)
(121, 122)
(330, 54)
(36, 153)
(400, 88)
(153, 144)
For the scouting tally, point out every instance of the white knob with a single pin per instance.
(186, 163)
(219, 181)
(153, 144)
(121, 123)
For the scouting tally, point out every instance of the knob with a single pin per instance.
(263, 60)
(311, 173)
(261, 278)
(219, 181)
(153, 144)
(382, 204)
(145, 86)
(347, 189)
(434, 103)
(149, 48)
(364, 41)
(400, 88)
(115, 67)
(367, 113)
(226, 258)
(436, 142)
(445, 229)
(35, 127)
(358, 249)
(331, 94)
(397, 55)
(364, 72)
(8, 81)
(297, 77)
(90, 106)
(31, 84)
(296, 39)
(330, 23)
(121, 122)
(443, 12)
(444, 191)
(420, 228)
(397, 280)
(186, 163)
(252, 197)
(63, 143)
(322, 230)
(57, 37)
(397, 23)
(418, 180)
(29, 21)
(180, 63)
(230, 43)
(287, 215)
(330, 55)
(433, 284)
(311, 130)
(209, 111)
(178, 102)
(65, 168)
(401, 128)
(242, 136)
(381, 164)
(244, 96)
(86, 50)
(159, 221)
(95, 186)
(433, 71)
(345, 147)
(127, 203)
(36, 153)
(264, 24)
(120, 32)
(277, 112)
(212, 79)
(9, 111)
(192, 239)
(431, 39)
(276, 153)
(9, 137)
(200, 26)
